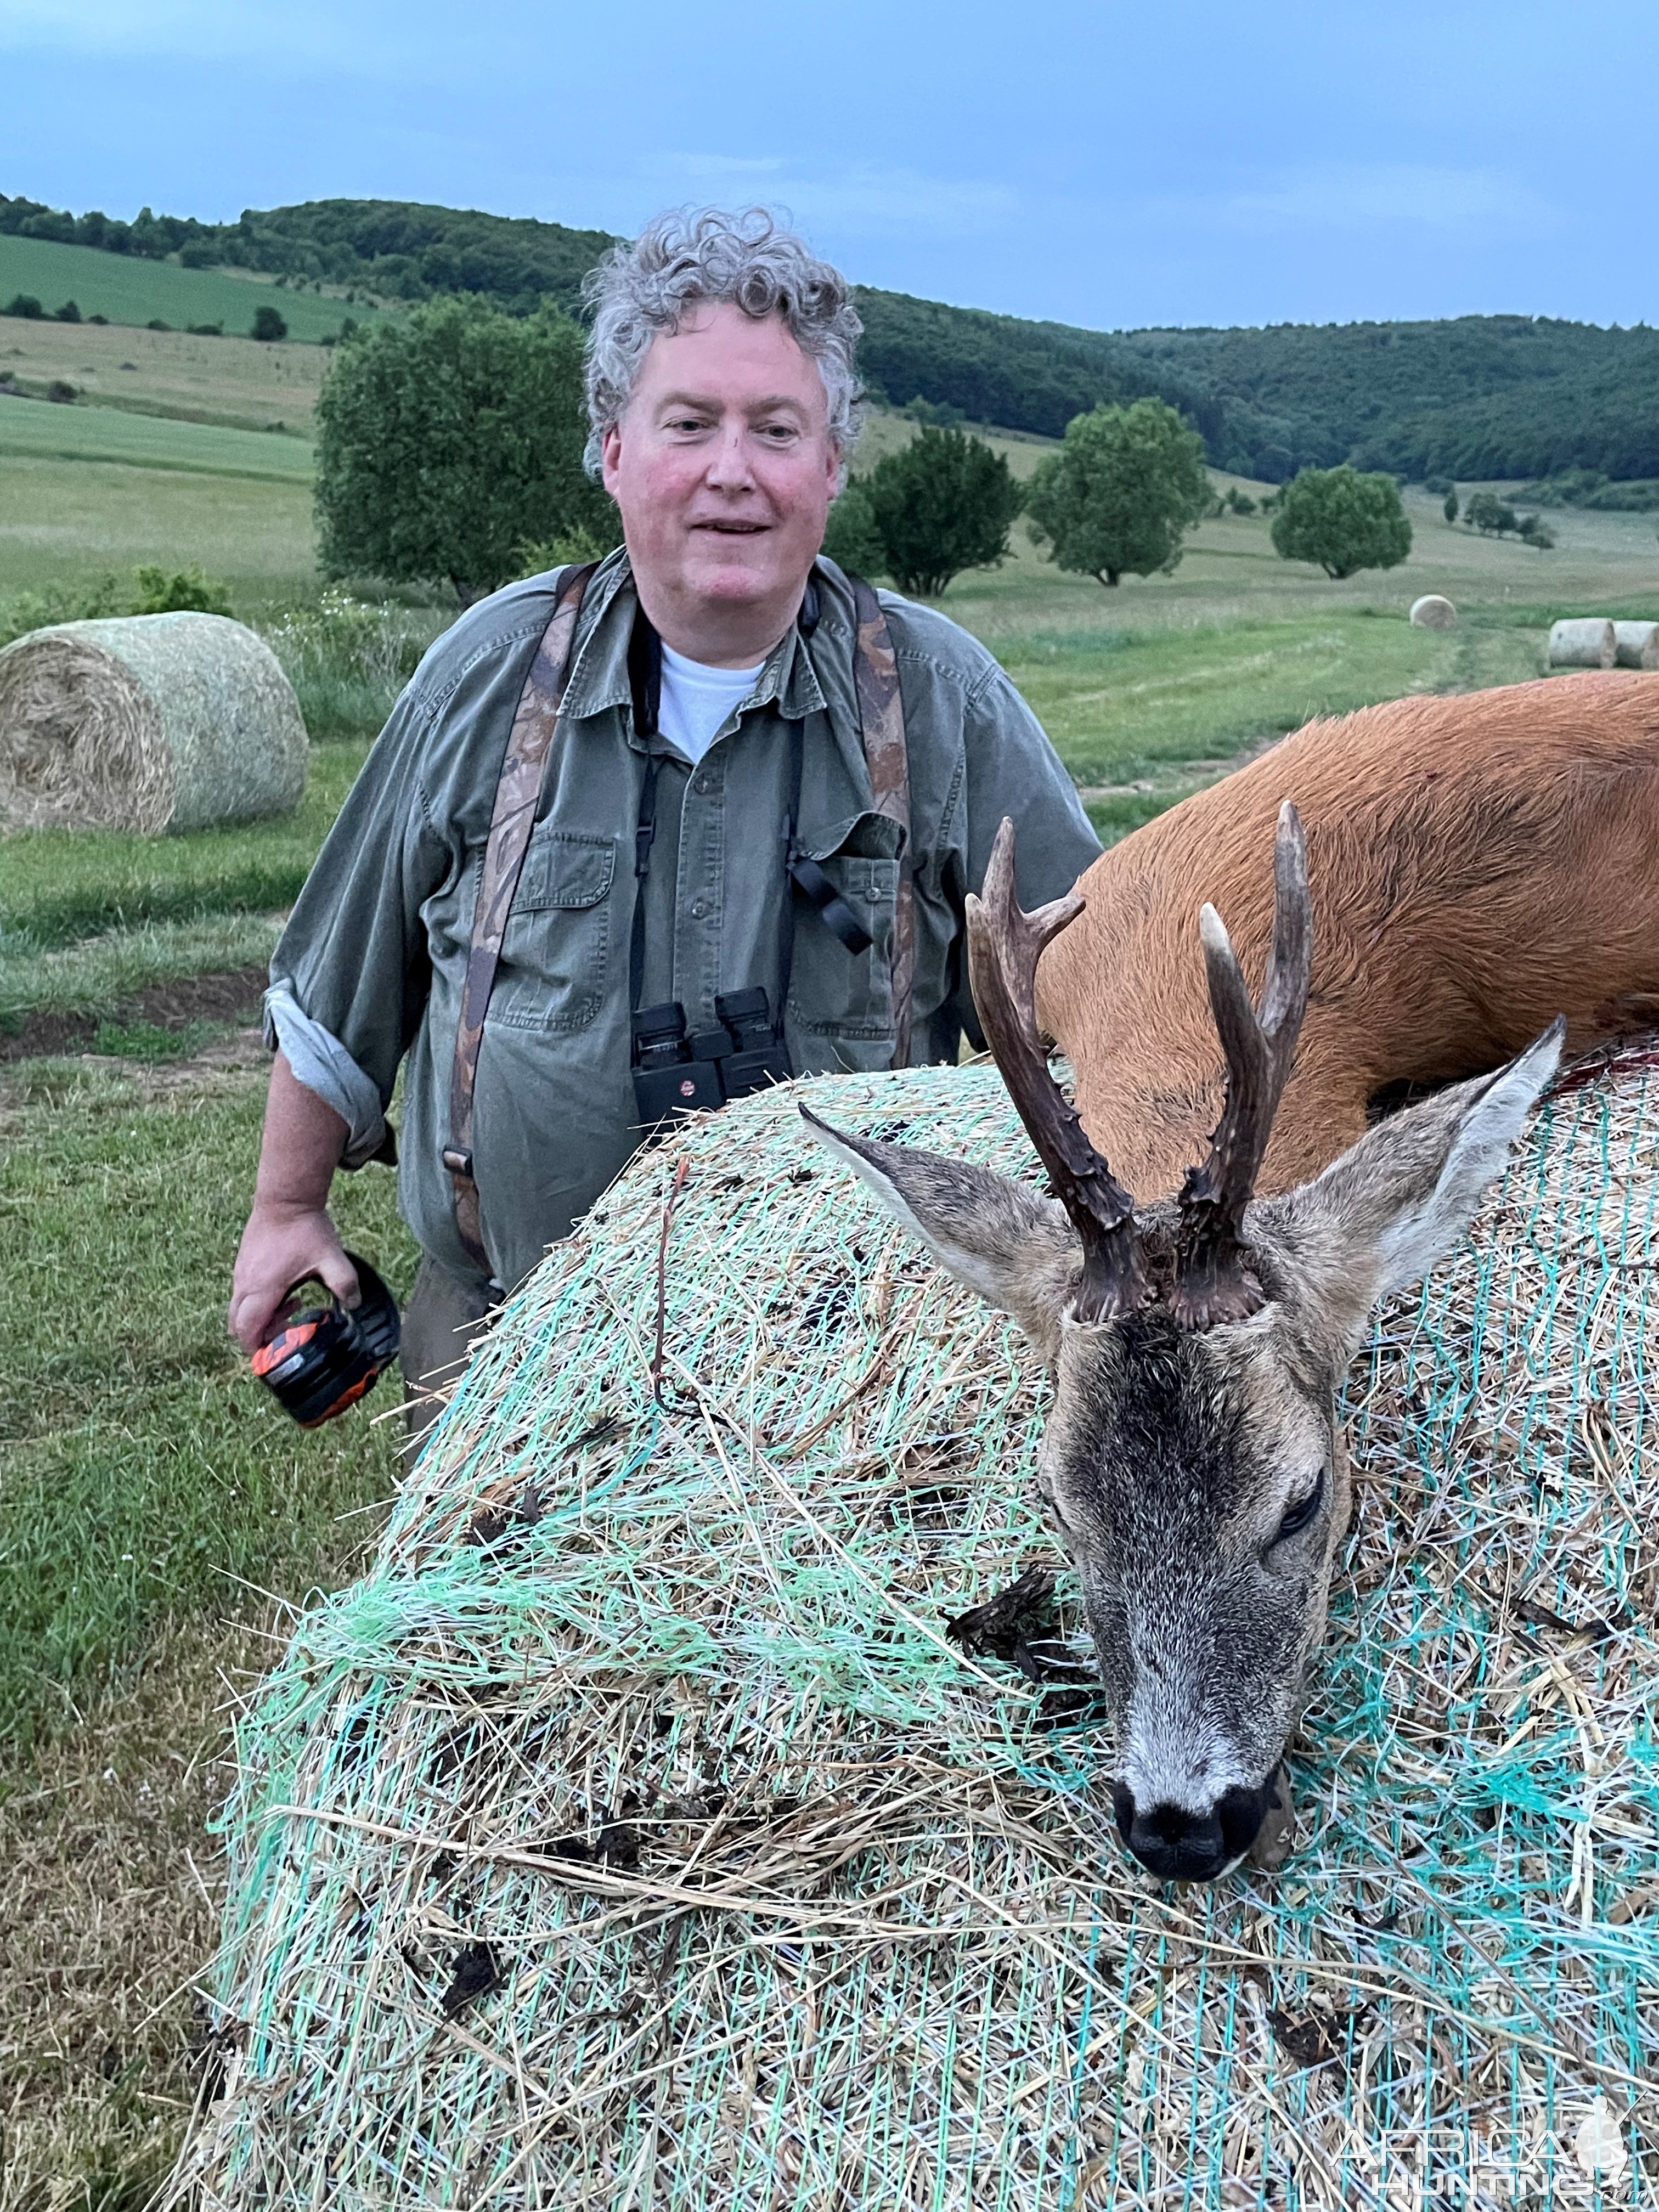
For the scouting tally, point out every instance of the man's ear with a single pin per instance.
(997, 1237)
(1380, 1217)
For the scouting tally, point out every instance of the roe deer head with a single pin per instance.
(1192, 1462)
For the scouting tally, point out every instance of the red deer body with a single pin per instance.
(1478, 865)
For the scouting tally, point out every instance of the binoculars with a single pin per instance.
(677, 1073)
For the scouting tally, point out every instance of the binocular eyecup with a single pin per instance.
(678, 1073)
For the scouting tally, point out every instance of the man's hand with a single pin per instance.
(289, 1233)
(280, 1245)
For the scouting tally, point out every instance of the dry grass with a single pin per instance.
(230, 381)
(112, 1894)
(633, 1835)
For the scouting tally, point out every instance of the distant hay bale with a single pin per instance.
(1587, 641)
(1431, 612)
(632, 1836)
(1637, 644)
(147, 722)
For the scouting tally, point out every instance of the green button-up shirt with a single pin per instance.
(371, 964)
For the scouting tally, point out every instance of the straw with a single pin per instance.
(632, 1836)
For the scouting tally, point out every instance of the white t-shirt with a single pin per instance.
(697, 699)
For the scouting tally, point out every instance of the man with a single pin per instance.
(706, 820)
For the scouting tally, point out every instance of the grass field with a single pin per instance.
(236, 381)
(128, 290)
(154, 1507)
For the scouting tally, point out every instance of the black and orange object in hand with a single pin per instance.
(319, 1360)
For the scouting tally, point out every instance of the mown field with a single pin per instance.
(156, 1512)
(244, 385)
(127, 289)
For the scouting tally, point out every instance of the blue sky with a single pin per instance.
(1102, 164)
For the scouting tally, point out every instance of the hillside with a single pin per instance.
(136, 292)
(1479, 396)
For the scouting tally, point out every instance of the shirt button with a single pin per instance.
(697, 909)
(700, 786)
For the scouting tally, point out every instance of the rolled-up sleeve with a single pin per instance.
(1013, 770)
(350, 974)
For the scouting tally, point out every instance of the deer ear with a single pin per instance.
(997, 1237)
(1382, 1215)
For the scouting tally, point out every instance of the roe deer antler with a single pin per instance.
(1213, 1280)
(1004, 944)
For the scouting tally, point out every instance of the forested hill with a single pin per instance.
(1481, 396)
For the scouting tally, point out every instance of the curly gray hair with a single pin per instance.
(747, 259)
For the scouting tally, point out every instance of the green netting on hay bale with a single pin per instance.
(630, 1836)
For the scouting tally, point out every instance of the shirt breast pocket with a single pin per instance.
(555, 952)
(833, 991)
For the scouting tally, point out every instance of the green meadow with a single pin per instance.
(157, 1511)
(125, 289)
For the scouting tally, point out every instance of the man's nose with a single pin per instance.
(1179, 1844)
(728, 464)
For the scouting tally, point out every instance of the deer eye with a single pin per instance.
(1302, 1512)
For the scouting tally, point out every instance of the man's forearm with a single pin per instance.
(303, 1140)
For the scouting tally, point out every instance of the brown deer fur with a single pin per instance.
(1478, 864)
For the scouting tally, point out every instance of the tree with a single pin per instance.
(1125, 487)
(448, 439)
(1486, 513)
(268, 326)
(1342, 520)
(1449, 510)
(851, 537)
(943, 503)
(1536, 531)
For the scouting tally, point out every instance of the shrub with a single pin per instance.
(156, 323)
(1342, 520)
(1239, 503)
(185, 590)
(851, 539)
(1125, 487)
(268, 326)
(943, 503)
(98, 319)
(1450, 509)
(199, 329)
(448, 439)
(26, 305)
(537, 555)
(69, 312)
(1536, 531)
(65, 394)
(22, 611)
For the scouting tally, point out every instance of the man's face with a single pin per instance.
(722, 464)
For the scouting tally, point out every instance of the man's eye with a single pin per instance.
(1303, 1511)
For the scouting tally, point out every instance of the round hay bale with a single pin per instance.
(147, 722)
(1637, 644)
(1586, 641)
(633, 1835)
(1431, 612)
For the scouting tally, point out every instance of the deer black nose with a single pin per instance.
(1178, 1844)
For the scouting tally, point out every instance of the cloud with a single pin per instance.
(1355, 197)
(278, 36)
(859, 199)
